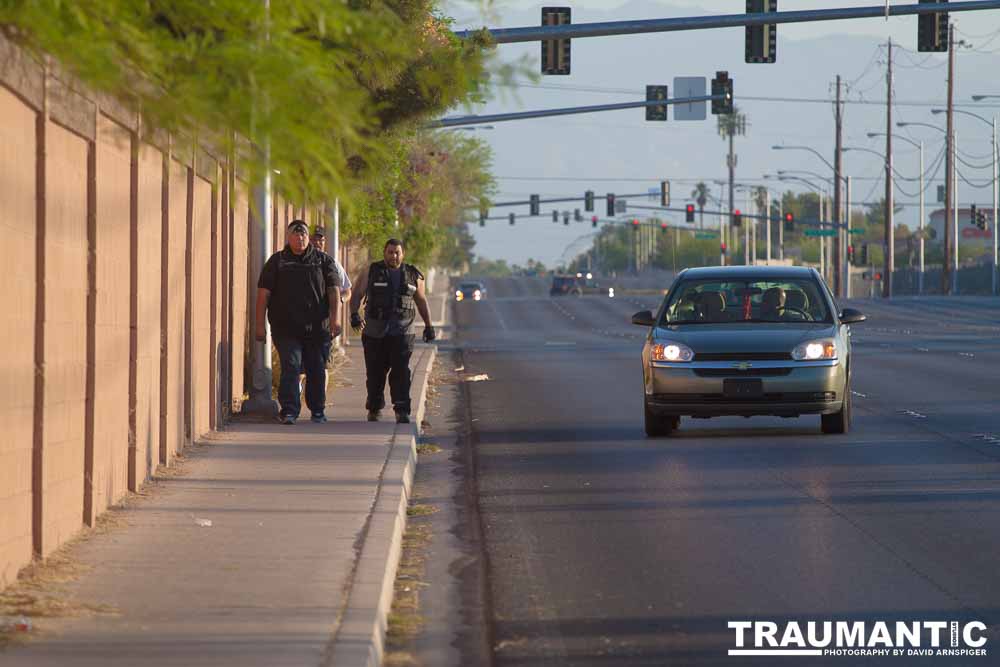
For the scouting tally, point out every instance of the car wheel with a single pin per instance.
(839, 422)
(658, 427)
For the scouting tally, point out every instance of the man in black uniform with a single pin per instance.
(393, 293)
(299, 288)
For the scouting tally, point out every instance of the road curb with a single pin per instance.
(360, 638)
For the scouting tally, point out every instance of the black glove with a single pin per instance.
(429, 334)
(356, 321)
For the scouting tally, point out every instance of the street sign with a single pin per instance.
(821, 232)
(856, 230)
(706, 235)
(690, 86)
(940, 193)
(620, 206)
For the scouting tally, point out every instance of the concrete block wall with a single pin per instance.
(17, 328)
(127, 316)
(110, 430)
(147, 243)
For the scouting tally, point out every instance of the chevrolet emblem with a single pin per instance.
(743, 365)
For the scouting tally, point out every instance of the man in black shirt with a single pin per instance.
(393, 293)
(299, 289)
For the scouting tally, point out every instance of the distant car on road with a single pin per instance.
(569, 284)
(475, 291)
(747, 341)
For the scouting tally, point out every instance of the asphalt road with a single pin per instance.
(606, 548)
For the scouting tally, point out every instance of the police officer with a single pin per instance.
(299, 288)
(393, 294)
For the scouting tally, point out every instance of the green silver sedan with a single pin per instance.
(747, 341)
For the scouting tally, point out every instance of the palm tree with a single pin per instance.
(760, 199)
(700, 195)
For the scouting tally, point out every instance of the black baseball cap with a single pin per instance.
(319, 231)
(298, 226)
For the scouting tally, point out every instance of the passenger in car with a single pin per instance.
(772, 304)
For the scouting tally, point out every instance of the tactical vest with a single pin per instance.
(382, 304)
(299, 303)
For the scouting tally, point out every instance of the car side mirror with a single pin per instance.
(644, 318)
(852, 316)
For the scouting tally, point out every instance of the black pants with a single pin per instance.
(389, 355)
(300, 355)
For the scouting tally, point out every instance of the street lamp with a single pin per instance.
(952, 157)
(920, 219)
(996, 179)
(821, 192)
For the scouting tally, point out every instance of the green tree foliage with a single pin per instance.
(328, 85)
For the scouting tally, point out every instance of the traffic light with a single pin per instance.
(850, 254)
(972, 215)
(482, 217)
(588, 201)
(761, 40)
(555, 216)
(555, 52)
(663, 227)
(789, 222)
(981, 220)
(722, 248)
(577, 215)
(565, 217)
(737, 218)
(655, 94)
(689, 213)
(635, 224)
(611, 205)
(510, 217)
(536, 206)
(932, 29)
(722, 85)
(864, 254)
(664, 194)
(593, 221)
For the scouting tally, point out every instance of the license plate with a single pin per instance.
(742, 388)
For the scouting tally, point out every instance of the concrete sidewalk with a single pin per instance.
(295, 568)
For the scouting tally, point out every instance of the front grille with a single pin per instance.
(738, 373)
(742, 356)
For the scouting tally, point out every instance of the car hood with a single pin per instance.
(738, 337)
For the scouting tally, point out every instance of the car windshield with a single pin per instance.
(470, 286)
(763, 300)
(562, 281)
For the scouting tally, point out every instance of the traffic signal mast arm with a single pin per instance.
(457, 121)
(536, 33)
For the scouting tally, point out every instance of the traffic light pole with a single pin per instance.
(457, 121)
(609, 28)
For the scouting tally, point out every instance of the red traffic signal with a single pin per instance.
(737, 218)
(789, 217)
(593, 221)
(635, 222)
(689, 213)
(663, 227)
(722, 248)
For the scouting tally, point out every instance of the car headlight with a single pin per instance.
(476, 295)
(458, 295)
(814, 350)
(668, 351)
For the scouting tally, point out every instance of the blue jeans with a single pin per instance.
(297, 356)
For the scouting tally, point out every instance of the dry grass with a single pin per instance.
(428, 448)
(405, 621)
(421, 510)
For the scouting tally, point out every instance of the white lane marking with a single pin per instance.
(496, 311)
(859, 394)
(922, 349)
(966, 354)
(988, 437)
(911, 413)
(481, 377)
(559, 342)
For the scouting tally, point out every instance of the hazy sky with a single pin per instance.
(619, 152)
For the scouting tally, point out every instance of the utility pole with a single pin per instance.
(838, 116)
(847, 218)
(889, 240)
(768, 218)
(949, 193)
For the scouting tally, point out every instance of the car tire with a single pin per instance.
(838, 422)
(658, 427)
